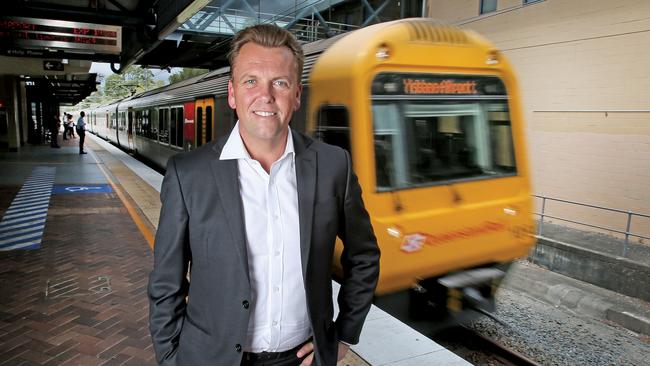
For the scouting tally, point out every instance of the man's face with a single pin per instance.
(265, 91)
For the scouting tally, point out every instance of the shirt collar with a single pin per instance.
(234, 148)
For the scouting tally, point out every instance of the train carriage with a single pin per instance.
(431, 116)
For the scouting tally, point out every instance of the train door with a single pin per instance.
(129, 128)
(204, 122)
(188, 126)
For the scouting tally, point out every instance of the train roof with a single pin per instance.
(214, 82)
(358, 49)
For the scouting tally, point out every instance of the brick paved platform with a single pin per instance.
(80, 299)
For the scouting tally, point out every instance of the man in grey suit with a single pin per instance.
(254, 217)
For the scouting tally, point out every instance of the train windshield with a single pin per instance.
(432, 129)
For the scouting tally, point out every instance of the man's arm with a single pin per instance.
(168, 285)
(360, 261)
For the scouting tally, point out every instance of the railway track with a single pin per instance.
(479, 349)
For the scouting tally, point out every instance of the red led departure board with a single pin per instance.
(59, 34)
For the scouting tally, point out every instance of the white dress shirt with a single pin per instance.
(279, 319)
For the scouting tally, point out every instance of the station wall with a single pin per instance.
(584, 75)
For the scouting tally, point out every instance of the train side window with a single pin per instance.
(299, 119)
(172, 126)
(176, 125)
(129, 129)
(123, 121)
(199, 126)
(224, 125)
(146, 127)
(208, 123)
(138, 123)
(333, 126)
(153, 118)
(163, 125)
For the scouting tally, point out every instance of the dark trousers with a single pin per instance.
(53, 138)
(82, 138)
(286, 358)
(291, 360)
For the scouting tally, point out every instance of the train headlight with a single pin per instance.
(383, 52)
(394, 231)
(510, 211)
(492, 57)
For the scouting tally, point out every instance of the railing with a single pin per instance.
(630, 215)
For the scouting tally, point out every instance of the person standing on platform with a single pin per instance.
(55, 125)
(70, 124)
(254, 217)
(81, 131)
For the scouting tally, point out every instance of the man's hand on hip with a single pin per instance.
(308, 350)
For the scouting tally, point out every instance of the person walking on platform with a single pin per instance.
(254, 217)
(55, 125)
(81, 131)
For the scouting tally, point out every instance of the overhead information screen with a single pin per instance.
(20, 32)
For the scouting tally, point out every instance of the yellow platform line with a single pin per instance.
(144, 229)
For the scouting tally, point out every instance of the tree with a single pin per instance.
(186, 73)
(133, 80)
(94, 99)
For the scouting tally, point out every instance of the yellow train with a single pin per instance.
(431, 115)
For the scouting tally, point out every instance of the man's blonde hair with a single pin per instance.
(267, 35)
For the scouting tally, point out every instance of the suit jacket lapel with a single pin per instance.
(226, 174)
(306, 185)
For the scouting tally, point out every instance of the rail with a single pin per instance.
(630, 215)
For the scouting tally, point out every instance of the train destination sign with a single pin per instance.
(449, 86)
(59, 34)
(434, 84)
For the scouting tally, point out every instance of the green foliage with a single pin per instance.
(186, 73)
(133, 80)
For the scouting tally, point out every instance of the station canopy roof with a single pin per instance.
(157, 33)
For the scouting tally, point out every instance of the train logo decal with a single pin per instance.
(415, 242)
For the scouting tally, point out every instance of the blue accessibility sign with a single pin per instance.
(85, 188)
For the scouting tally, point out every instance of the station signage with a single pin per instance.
(21, 32)
(52, 65)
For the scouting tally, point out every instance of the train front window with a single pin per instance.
(430, 140)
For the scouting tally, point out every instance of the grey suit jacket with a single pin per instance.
(204, 321)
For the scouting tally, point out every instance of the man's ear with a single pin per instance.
(298, 93)
(231, 95)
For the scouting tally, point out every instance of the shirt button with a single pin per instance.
(277, 288)
(238, 347)
(245, 304)
(275, 322)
